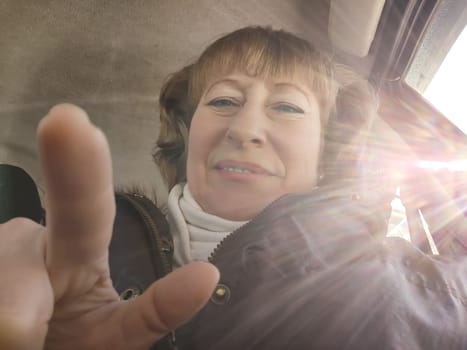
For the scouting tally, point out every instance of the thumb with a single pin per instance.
(167, 304)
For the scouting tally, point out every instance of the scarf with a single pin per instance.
(195, 233)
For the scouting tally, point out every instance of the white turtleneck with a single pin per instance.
(195, 232)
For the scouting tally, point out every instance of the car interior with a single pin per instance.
(111, 58)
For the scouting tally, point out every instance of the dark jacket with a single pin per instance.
(312, 271)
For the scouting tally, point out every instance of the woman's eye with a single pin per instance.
(222, 103)
(287, 108)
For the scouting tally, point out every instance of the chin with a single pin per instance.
(236, 215)
(236, 204)
(237, 212)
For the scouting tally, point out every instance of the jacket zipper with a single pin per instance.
(231, 235)
(150, 224)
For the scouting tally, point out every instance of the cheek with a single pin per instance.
(195, 147)
(202, 139)
(195, 139)
(302, 157)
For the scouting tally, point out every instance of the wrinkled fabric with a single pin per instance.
(195, 232)
(310, 273)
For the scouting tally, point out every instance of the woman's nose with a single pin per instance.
(247, 127)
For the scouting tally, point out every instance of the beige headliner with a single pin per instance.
(110, 57)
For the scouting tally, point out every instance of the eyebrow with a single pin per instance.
(306, 93)
(229, 81)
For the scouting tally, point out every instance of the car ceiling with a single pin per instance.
(110, 57)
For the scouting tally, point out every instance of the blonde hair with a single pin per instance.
(257, 51)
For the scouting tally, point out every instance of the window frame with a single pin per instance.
(401, 30)
(427, 131)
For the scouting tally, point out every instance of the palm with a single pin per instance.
(84, 307)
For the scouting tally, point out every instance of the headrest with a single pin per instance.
(18, 195)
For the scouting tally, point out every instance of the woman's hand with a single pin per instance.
(56, 291)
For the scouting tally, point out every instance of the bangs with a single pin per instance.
(268, 54)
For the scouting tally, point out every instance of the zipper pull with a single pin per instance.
(173, 340)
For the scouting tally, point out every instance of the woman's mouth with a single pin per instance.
(237, 169)
(241, 167)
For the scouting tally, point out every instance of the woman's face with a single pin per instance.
(251, 141)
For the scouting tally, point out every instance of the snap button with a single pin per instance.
(221, 294)
(130, 293)
(356, 197)
(167, 246)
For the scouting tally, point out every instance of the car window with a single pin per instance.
(438, 70)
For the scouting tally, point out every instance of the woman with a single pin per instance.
(257, 104)
(301, 268)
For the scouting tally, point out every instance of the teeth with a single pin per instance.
(237, 170)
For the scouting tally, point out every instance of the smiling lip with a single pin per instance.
(239, 167)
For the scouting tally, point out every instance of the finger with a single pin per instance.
(76, 164)
(167, 304)
(24, 316)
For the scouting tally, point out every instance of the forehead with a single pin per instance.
(274, 83)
